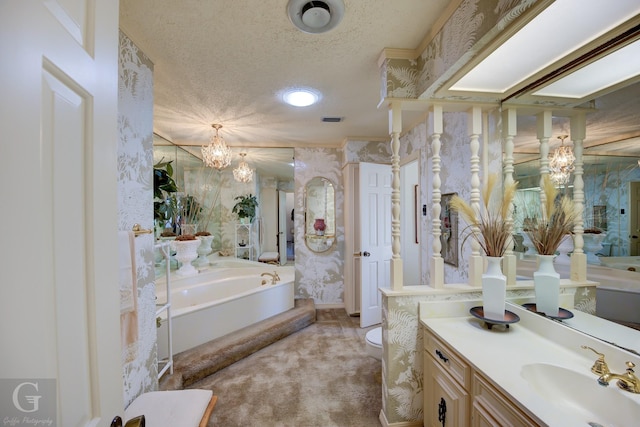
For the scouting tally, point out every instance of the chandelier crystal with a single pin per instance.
(217, 154)
(243, 173)
(561, 162)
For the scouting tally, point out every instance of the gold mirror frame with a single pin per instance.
(320, 214)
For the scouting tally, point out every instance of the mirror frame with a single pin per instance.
(321, 241)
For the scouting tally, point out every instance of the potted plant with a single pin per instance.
(488, 226)
(245, 207)
(164, 207)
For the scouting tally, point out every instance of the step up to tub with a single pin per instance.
(197, 363)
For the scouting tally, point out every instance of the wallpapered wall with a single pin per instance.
(319, 275)
(135, 197)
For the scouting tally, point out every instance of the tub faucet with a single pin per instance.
(274, 277)
(627, 381)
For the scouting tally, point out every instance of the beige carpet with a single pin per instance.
(319, 376)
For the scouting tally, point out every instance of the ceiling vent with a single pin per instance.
(315, 16)
(332, 119)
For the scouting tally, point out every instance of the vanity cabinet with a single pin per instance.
(457, 395)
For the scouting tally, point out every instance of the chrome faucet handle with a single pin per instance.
(599, 366)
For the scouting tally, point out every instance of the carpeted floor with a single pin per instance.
(319, 376)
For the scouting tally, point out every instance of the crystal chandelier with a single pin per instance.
(217, 154)
(243, 173)
(561, 162)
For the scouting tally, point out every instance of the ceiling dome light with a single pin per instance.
(315, 16)
(300, 97)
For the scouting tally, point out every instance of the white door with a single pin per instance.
(375, 239)
(59, 299)
(634, 219)
(282, 226)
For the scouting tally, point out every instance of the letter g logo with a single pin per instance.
(30, 399)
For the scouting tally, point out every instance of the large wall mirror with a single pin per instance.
(320, 214)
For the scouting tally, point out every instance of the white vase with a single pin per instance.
(566, 246)
(593, 245)
(203, 250)
(494, 289)
(186, 251)
(546, 283)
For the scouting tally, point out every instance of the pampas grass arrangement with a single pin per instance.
(490, 220)
(553, 221)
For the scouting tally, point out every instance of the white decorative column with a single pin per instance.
(544, 133)
(476, 265)
(437, 262)
(395, 124)
(509, 129)
(578, 257)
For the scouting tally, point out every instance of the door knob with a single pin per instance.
(365, 253)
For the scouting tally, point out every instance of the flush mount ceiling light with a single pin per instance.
(217, 154)
(243, 173)
(315, 16)
(300, 97)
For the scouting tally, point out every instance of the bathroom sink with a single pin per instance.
(581, 395)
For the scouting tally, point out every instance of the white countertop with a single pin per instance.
(501, 353)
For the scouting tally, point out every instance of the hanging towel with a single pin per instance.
(127, 279)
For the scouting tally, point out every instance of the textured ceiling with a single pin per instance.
(226, 61)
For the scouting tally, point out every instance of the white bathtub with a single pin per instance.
(223, 299)
(629, 263)
(618, 294)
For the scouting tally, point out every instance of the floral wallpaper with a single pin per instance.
(319, 275)
(470, 28)
(135, 122)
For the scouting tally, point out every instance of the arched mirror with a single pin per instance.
(320, 214)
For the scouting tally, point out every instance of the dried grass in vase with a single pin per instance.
(552, 222)
(493, 234)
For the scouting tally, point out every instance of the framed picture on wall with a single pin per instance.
(600, 217)
(449, 230)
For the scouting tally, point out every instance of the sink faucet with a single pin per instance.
(274, 277)
(599, 366)
(627, 381)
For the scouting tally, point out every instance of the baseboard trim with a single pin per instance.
(328, 306)
(385, 422)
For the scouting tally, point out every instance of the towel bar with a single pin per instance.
(137, 230)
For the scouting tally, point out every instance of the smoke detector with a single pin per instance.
(315, 16)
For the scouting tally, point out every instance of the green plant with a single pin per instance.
(163, 185)
(246, 206)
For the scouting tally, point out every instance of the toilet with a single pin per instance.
(373, 340)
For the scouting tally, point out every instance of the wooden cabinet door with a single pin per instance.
(446, 403)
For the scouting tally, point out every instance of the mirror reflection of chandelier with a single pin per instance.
(217, 154)
(561, 162)
(243, 173)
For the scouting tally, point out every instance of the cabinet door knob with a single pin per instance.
(442, 411)
(442, 356)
